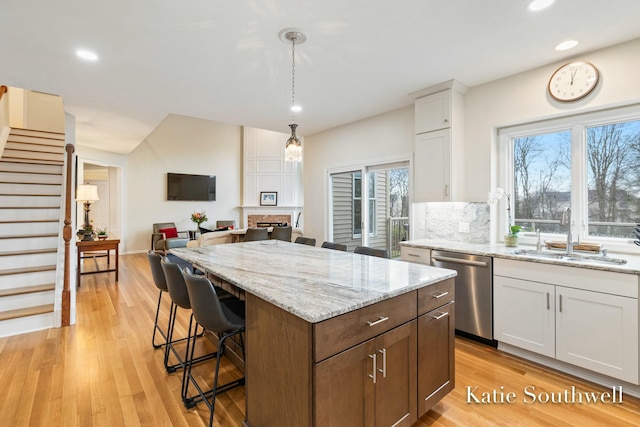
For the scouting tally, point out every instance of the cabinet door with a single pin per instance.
(344, 388)
(524, 314)
(436, 359)
(395, 390)
(432, 167)
(433, 112)
(598, 331)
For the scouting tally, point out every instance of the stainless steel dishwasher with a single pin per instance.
(474, 291)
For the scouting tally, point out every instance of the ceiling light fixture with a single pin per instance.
(537, 5)
(566, 45)
(293, 147)
(87, 55)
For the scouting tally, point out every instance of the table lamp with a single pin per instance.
(87, 194)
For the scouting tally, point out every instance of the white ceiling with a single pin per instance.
(222, 60)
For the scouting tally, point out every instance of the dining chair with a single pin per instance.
(306, 240)
(336, 246)
(366, 250)
(255, 234)
(223, 317)
(281, 233)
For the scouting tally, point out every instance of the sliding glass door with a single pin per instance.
(369, 206)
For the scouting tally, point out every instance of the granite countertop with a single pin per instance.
(310, 282)
(501, 251)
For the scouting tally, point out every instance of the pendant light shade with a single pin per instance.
(293, 146)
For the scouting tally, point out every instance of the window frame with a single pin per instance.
(577, 124)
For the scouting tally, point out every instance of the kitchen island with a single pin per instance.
(335, 338)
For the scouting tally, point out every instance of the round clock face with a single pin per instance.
(573, 81)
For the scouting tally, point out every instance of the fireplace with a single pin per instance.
(268, 216)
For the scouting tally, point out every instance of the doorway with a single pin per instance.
(369, 206)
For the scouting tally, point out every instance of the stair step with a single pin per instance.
(12, 159)
(29, 252)
(29, 207)
(28, 236)
(27, 289)
(30, 168)
(23, 221)
(28, 311)
(27, 270)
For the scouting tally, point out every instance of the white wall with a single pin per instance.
(367, 141)
(515, 99)
(523, 98)
(181, 145)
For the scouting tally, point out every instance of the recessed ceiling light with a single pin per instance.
(87, 55)
(537, 5)
(567, 45)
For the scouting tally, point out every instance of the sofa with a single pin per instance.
(227, 236)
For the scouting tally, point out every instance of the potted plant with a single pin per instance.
(102, 233)
(511, 238)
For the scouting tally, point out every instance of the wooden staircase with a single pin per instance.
(31, 212)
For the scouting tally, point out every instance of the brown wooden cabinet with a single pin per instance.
(323, 374)
(436, 362)
(436, 343)
(371, 384)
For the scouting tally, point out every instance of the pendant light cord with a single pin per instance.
(293, 79)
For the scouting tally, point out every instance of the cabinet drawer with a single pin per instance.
(436, 295)
(419, 255)
(347, 330)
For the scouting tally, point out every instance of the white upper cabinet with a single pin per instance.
(433, 112)
(439, 146)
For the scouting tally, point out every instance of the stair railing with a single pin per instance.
(66, 235)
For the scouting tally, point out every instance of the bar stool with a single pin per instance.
(180, 298)
(223, 317)
(366, 250)
(160, 282)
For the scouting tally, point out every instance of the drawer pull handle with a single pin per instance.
(380, 320)
(440, 295)
(384, 362)
(414, 255)
(373, 376)
(441, 315)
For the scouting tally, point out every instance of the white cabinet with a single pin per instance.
(588, 318)
(524, 314)
(432, 181)
(598, 331)
(412, 254)
(433, 112)
(439, 145)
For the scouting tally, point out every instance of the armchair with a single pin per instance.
(166, 236)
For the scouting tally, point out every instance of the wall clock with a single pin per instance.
(573, 81)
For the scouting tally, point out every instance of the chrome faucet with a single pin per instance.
(566, 220)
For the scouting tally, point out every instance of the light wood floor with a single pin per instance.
(104, 372)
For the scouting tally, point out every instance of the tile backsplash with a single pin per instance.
(451, 221)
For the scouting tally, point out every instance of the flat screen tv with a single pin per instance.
(181, 186)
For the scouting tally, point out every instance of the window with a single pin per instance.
(589, 162)
(357, 203)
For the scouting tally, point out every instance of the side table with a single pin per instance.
(97, 245)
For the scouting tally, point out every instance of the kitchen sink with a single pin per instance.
(562, 256)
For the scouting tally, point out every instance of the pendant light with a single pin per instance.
(293, 147)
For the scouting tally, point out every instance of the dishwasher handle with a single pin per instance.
(459, 261)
